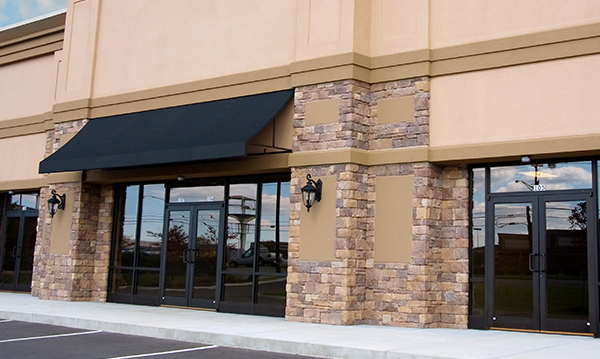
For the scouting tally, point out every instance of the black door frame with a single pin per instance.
(538, 200)
(18, 250)
(188, 300)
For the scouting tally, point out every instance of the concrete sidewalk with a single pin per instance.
(277, 335)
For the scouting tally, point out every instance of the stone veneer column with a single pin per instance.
(331, 292)
(431, 290)
(82, 274)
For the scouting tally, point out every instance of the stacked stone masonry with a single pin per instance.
(82, 274)
(331, 292)
(431, 290)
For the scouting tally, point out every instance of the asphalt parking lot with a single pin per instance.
(24, 340)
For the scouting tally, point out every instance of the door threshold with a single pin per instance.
(541, 331)
(192, 308)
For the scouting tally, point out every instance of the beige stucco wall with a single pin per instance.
(20, 157)
(458, 22)
(533, 101)
(146, 44)
(399, 26)
(27, 88)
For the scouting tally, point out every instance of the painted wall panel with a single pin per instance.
(458, 22)
(153, 43)
(61, 227)
(21, 156)
(399, 26)
(394, 214)
(533, 101)
(27, 88)
(317, 227)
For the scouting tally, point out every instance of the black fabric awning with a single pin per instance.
(203, 131)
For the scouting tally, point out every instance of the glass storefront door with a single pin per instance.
(194, 241)
(192, 244)
(17, 250)
(539, 250)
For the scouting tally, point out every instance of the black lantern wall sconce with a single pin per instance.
(311, 192)
(56, 202)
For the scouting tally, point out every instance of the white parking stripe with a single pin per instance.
(5, 320)
(48, 336)
(165, 353)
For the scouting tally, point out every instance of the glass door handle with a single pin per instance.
(531, 262)
(186, 255)
(14, 252)
(542, 262)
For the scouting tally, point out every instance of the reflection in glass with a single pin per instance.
(241, 225)
(205, 261)
(238, 288)
(28, 245)
(177, 247)
(196, 194)
(477, 254)
(271, 291)
(274, 227)
(478, 224)
(122, 281)
(477, 299)
(125, 244)
(147, 283)
(10, 250)
(566, 260)
(22, 202)
(513, 280)
(541, 177)
(153, 208)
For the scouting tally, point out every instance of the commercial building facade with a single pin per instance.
(457, 152)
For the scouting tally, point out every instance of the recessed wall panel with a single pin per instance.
(393, 219)
(317, 227)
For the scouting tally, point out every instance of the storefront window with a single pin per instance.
(235, 265)
(539, 177)
(274, 225)
(23, 202)
(241, 227)
(153, 211)
(137, 246)
(529, 245)
(197, 194)
(477, 253)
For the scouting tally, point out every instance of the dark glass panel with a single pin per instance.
(478, 224)
(177, 253)
(541, 177)
(513, 244)
(26, 264)
(122, 281)
(477, 299)
(125, 243)
(147, 283)
(566, 260)
(238, 288)
(153, 210)
(241, 225)
(205, 261)
(271, 291)
(10, 250)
